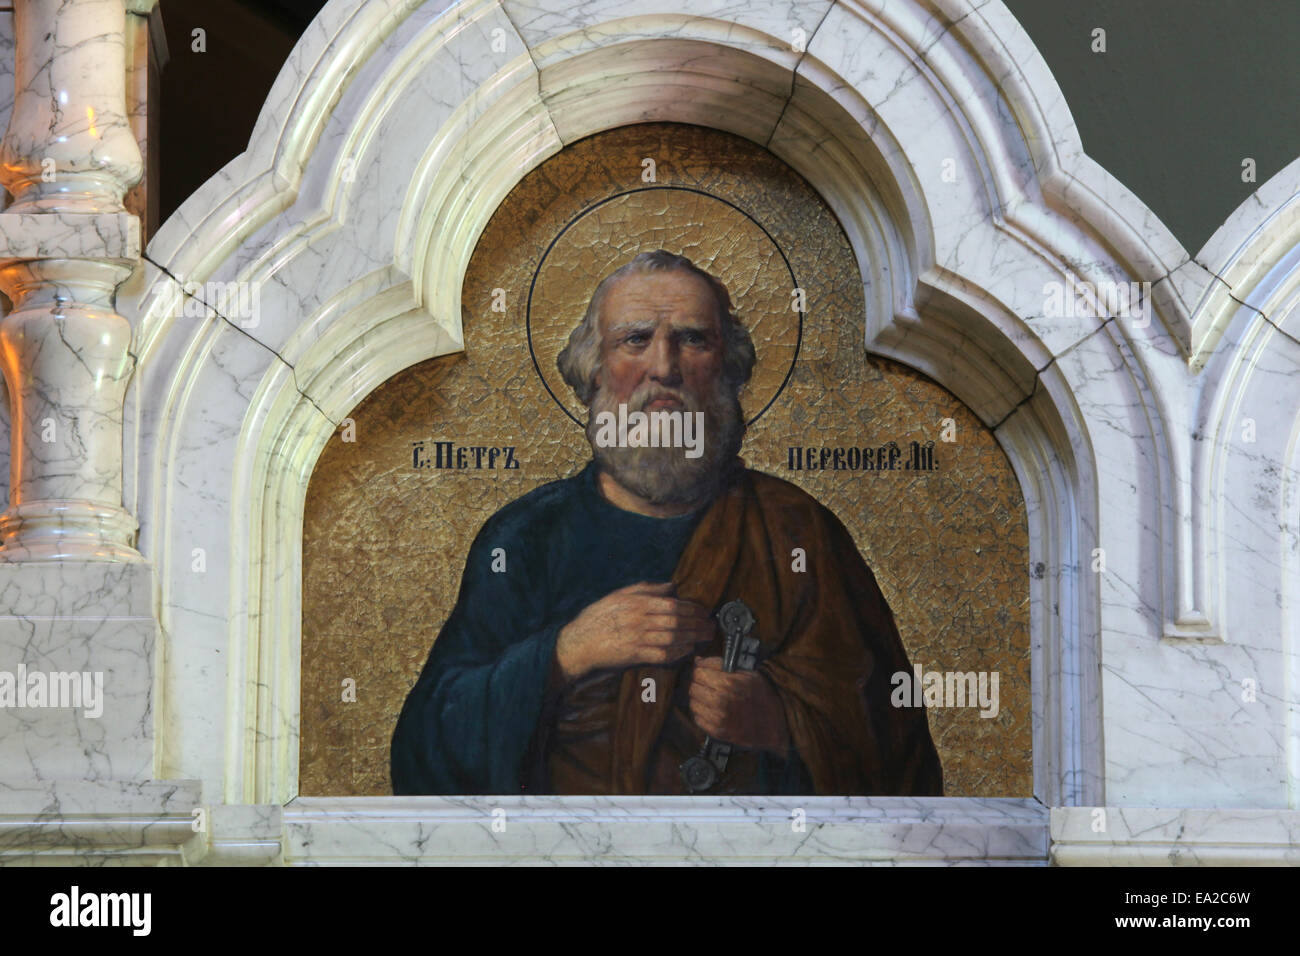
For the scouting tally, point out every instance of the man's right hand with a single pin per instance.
(639, 624)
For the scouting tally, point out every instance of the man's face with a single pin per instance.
(662, 350)
(661, 341)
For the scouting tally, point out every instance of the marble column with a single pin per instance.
(66, 243)
(75, 596)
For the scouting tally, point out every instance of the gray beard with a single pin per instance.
(665, 476)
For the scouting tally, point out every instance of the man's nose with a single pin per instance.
(665, 367)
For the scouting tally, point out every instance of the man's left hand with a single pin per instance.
(740, 708)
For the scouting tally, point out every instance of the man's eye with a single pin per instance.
(637, 338)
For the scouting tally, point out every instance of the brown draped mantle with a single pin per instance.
(830, 646)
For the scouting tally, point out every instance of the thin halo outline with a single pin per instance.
(528, 312)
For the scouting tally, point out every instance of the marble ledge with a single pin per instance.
(1153, 836)
(663, 830)
(93, 823)
(154, 823)
(238, 835)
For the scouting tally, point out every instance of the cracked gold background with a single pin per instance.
(384, 543)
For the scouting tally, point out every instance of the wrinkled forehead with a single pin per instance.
(648, 298)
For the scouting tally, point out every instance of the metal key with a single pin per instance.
(740, 653)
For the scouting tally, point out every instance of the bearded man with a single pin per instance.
(592, 663)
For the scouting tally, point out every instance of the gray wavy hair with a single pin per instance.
(580, 360)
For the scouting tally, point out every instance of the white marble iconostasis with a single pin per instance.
(1165, 675)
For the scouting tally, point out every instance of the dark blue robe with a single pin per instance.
(468, 724)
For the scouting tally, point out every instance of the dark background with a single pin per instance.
(1186, 90)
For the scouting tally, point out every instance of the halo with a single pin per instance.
(717, 235)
